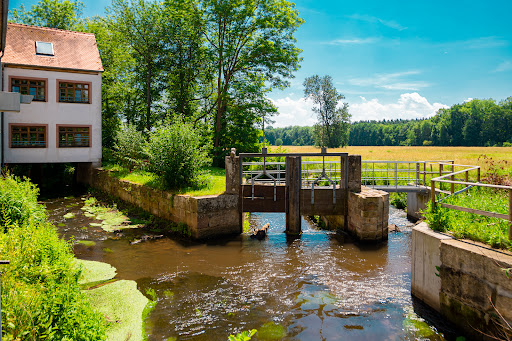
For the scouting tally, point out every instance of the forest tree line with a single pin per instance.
(474, 123)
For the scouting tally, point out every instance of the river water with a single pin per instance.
(321, 286)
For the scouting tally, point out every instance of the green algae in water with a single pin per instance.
(417, 326)
(87, 242)
(169, 295)
(69, 215)
(61, 224)
(107, 250)
(271, 331)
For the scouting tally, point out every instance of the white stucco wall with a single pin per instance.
(53, 113)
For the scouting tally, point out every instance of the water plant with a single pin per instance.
(244, 336)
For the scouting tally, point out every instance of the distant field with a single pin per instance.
(461, 155)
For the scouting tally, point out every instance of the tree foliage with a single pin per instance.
(333, 121)
(474, 123)
(252, 47)
(62, 14)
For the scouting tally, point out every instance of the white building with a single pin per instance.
(62, 69)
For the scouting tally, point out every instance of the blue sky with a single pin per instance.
(395, 59)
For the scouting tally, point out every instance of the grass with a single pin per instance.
(216, 183)
(461, 155)
(491, 231)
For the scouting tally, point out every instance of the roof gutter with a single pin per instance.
(61, 69)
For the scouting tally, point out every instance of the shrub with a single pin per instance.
(175, 152)
(41, 298)
(18, 202)
(129, 149)
(279, 142)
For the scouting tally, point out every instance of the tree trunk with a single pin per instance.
(148, 99)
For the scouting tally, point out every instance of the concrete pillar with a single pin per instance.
(83, 173)
(354, 173)
(232, 173)
(416, 201)
(293, 184)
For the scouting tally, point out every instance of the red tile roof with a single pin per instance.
(72, 50)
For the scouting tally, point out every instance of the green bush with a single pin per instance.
(175, 152)
(41, 298)
(18, 202)
(129, 149)
(399, 200)
(279, 142)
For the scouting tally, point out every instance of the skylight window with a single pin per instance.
(44, 48)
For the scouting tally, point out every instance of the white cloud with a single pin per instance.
(293, 112)
(505, 66)
(467, 100)
(408, 106)
(392, 81)
(389, 23)
(352, 41)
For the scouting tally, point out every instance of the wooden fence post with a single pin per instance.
(433, 193)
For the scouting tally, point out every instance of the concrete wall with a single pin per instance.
(464, 281)
(416, 202)
(206, 216)
(53, 113)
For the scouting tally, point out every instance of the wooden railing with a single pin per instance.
(468, 185)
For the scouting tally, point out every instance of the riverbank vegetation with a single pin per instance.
(41, 296)
(491, 231)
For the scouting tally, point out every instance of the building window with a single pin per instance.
(74, 92)
(28, 136)
(74, 136)
(34, 87)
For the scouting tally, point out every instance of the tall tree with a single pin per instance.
(63, 14)
(247, 40)
(141, 27)
(333, 120)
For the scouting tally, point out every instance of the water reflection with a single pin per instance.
(321, 286)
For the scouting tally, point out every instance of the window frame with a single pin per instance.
(45, 80)
(89, 127)
(58, 81)
(29, 125)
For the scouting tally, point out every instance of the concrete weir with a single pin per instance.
(344, 200)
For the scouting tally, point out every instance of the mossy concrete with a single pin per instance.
(206, 216)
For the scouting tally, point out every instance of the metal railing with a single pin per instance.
(385, 173)
(466, 185)
(322, 173)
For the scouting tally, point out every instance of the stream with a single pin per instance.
(321, 286)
